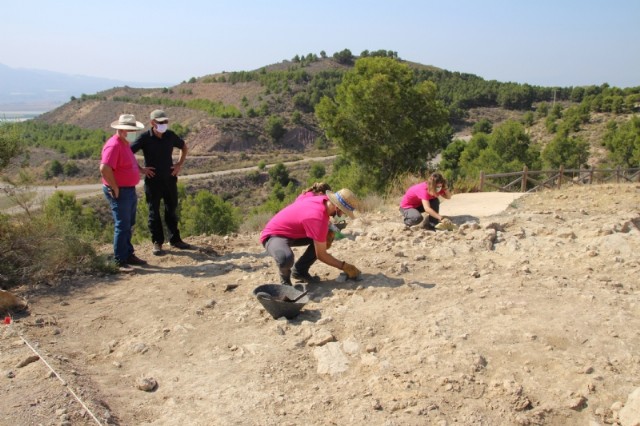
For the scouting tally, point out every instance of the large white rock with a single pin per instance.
(630, 413)
(331, 359)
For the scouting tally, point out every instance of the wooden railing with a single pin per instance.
(535, 180)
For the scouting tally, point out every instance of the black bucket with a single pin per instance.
(273, 297)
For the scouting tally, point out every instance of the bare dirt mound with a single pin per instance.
(526, 316)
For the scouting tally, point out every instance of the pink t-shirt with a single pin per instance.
(412, 199)
(304, 218)
(308, 194)
(118, 155)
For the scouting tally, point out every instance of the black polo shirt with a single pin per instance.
(158, 151)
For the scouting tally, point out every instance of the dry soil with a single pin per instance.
(529, 314)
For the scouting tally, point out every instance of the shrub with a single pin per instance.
(316, 172)
(275, 127)
(278, 174)
(206, 213)
(43, 248)
(71, 169)
(55, 168)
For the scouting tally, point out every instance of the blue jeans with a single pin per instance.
(123, 210)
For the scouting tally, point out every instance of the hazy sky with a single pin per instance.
(541, 42)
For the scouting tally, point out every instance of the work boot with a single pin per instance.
(304, 276)
(428, 226)
(135, 260)
(157, 249)
(285, 280)
(181, 245)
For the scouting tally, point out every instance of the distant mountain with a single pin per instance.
(39, 90)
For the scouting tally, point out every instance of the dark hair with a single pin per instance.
(437, 178)
(433, 181)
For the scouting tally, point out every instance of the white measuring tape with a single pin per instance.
(56, 374)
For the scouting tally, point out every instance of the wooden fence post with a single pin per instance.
(560, 175)
(591, 176)
(523, 184)
(481, 180)
(618, 174)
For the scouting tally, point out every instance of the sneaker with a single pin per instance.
(157, 249)
(181, 245)
(135, 260)
(304, 276)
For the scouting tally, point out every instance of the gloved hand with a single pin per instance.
(351, 271)
(330, 237)
(446, 225)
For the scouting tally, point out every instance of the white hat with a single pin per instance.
(127, 122)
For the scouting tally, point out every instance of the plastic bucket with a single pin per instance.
(271, 297)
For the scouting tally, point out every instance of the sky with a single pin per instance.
(541, 42)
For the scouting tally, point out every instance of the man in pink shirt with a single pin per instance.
(305, 222)
(120, 175)
(423, 198)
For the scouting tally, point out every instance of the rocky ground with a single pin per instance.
(530, 316)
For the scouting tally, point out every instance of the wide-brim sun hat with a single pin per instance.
(345, 200)
(127, 122)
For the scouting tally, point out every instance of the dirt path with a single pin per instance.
(93, 189)
(524, 316)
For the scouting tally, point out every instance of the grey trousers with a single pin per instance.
(280, 249)
(414, 216)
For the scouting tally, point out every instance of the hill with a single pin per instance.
(239, 119)
(32, 90)
(524, 316)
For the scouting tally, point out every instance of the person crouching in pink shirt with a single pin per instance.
(305, 222)
(423, 198)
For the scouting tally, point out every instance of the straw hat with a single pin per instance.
(127, 122)
(345, 200)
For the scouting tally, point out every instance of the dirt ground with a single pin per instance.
(529, 314)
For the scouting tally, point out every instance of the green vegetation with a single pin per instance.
(508, 148)
(73, 141)
(55, 241)
(206, 213)
(568, 152)
(623, 143)
(383, 122)
(10, 143)
(213, 108)
(278, 174)
(274, 127)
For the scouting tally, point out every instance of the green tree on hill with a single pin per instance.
(623, 143)
(508, 148)
(384, 123)
(569, 152)
(10, 145)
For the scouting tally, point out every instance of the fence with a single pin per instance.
(525, 182)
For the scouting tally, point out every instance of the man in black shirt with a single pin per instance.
(161, 178)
